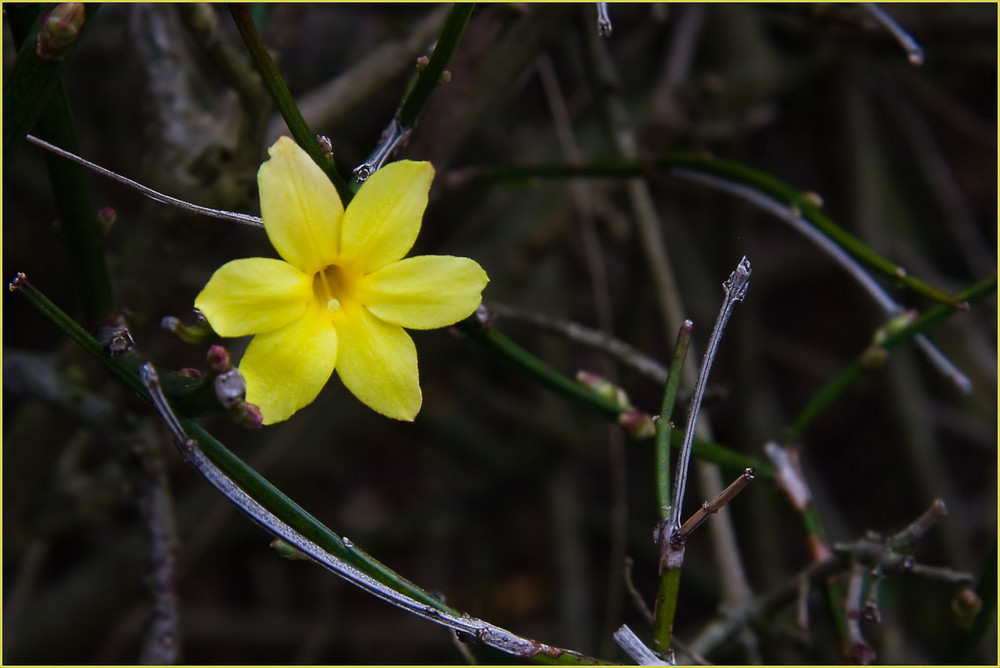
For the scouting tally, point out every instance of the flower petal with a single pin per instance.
(254, 295)
(300, 207)
(285, 369)
(377, 362)
(382, 221)
(425, 291)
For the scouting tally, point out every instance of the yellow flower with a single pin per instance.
(343, 292)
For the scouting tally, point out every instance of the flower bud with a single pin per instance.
(604, 388)
(964, 607)
(813, 198)
(248, 415)
(196, 333)
(287, 550)
(896, 324)
(325, 146)
(60, 31)
(230, 388)
(218, 359)
(637, 425)
(105, 219)
(484, 316)
(873, 358)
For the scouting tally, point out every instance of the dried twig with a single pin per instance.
(242, 218)
(914, 53)
(635, 648)
(715, 505)
(736, 289)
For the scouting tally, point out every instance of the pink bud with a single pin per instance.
(60, 30)
(105, 219)
(218, 359)
(248, 415)
(637, 425)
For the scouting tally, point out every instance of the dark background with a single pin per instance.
(501, 497)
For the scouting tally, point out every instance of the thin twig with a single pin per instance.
(642, 655)
(604, 28)
(594, 338)
(859, 650)
(914, 53)
(394, 136)
(711, 507)
(920, 526)
(242, 218)
(634, 594)
(735, 288)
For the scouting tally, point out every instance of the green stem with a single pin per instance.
(670, 578)
(502, 346)
(663, 427)
(667, 593)
(77, 213)
(31, 81)
(839, 384)
(803, 203)
(71, 328)
(430, 76)
(539, 370)
(283, 98)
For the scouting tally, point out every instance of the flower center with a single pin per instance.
(333, 285)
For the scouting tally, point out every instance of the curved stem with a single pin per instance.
(803, 204)
(233, 216)
(499, 344)
(837, 385)
(283, 98)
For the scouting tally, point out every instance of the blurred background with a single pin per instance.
(513, 504)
